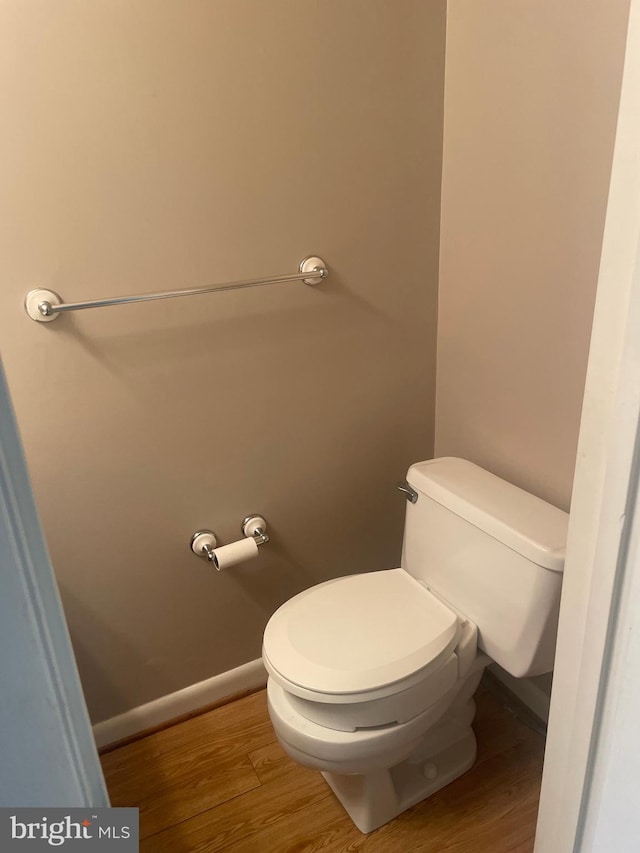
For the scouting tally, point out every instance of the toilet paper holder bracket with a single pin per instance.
(255, 526)
(203, 543)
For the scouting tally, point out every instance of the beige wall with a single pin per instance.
(531, 97)
(156, 144)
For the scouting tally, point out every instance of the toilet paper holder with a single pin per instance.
(204, 542)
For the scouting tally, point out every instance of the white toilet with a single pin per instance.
(372, 676)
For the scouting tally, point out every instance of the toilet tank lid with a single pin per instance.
(532, 527)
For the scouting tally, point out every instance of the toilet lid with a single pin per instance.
(357, 633)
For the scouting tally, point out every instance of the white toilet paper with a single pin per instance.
(235, 552)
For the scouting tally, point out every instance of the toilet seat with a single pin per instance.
(363, 650)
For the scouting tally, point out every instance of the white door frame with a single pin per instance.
(49, 756)
(600, 560)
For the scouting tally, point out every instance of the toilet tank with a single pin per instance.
(492, 551)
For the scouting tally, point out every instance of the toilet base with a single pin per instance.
(375, 798)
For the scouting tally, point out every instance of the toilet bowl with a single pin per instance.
(364, 673)
(372, 676)
(380, 771)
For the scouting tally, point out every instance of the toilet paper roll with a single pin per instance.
(235, 552)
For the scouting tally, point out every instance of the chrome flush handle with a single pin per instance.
(410, 494)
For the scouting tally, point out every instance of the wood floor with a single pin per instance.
(220, 781)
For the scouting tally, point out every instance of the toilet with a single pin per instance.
(372, 676)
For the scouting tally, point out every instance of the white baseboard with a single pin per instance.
(249, 676)
(526, 691)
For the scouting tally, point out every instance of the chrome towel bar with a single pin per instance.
(45, 305)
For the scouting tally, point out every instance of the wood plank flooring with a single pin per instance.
(221, 782)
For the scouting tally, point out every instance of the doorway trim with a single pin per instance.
(605, 485)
